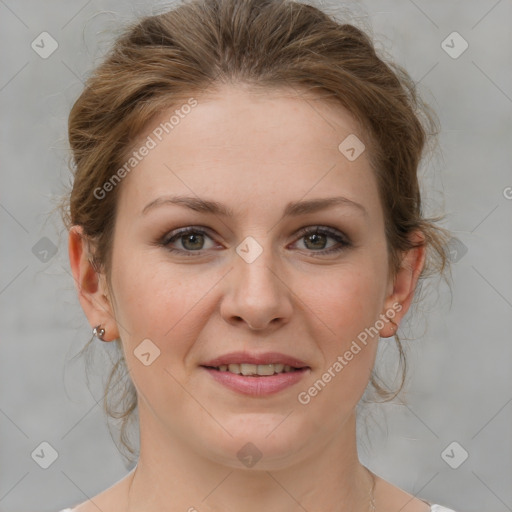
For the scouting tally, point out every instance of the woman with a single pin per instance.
(245, 224)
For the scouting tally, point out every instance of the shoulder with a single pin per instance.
(440, 508)
(113, 498)
(390, 498)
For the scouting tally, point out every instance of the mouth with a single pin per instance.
(256, 380)
(256, 375)
(256, 370)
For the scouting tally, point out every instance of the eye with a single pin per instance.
(315, 238)
(192, 240)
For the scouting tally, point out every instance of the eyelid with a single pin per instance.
(177, 233)
(323, 229)
(334, 233)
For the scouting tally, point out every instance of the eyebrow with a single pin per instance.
(292, 209)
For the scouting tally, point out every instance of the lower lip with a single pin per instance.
(257, 385)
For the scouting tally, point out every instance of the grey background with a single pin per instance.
(460, 386)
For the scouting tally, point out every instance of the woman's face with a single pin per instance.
(247, 279)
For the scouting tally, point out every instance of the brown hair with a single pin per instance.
(164, 59)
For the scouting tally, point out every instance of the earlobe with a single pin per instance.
(90, 284)
(405, 283)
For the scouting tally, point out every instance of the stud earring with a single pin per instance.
(99, 332)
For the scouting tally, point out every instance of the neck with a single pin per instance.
(172, 475)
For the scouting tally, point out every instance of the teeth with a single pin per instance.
(234, 368)
(256, 369)
(248, 369)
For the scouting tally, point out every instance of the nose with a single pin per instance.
(256, 293)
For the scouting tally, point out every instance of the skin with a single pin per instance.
(253, 152)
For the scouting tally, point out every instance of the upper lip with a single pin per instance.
(264, 358)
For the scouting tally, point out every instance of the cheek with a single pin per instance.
(138, 290)
(156, 300)
(348, 305)
(348, 300)
(154, 303)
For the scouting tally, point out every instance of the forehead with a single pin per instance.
(244, 144)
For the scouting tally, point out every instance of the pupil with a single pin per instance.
(191, 238)
(317, 237)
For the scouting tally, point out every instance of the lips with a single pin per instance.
(256, 386)
(256, 359)
(255, 378)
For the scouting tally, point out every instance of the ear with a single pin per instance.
(91, 285)
(401, 289)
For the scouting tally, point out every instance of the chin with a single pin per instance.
(260, 441)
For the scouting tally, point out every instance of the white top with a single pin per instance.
(433, 508)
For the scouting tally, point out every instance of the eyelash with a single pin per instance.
(334, 234)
